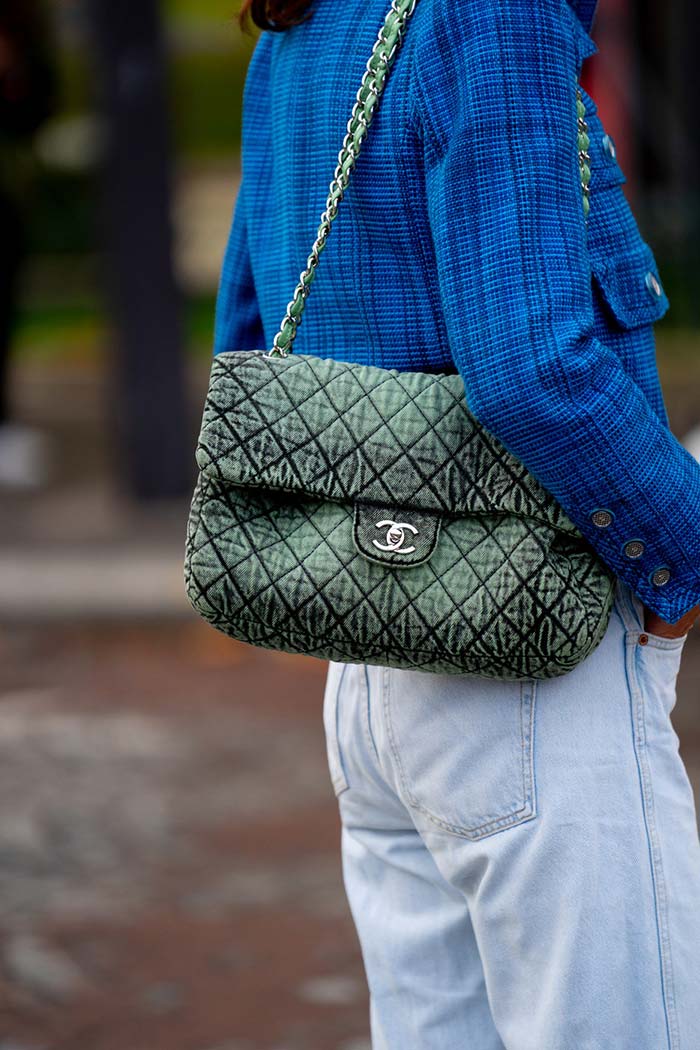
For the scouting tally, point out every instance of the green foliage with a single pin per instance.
(63, 214)
(208, 59)
(206, 91)
(77, 329)
(198, 10)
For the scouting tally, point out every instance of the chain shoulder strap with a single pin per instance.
(584, 157)
(370, 91)
(373, 83)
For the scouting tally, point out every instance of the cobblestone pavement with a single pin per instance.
(169, 845)
(169, 848)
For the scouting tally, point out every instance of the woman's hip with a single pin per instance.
(474, 756)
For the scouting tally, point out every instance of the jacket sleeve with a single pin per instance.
(498, 105)
(238, 324)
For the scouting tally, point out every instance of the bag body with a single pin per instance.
(363, 514)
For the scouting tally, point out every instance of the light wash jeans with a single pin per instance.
(521, 859)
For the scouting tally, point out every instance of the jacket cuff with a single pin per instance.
(665, 583)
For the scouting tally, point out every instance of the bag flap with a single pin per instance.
(630, 285)
(360, 434)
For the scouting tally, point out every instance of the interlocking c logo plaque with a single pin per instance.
(395, 536)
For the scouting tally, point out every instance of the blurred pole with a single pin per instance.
(684, 88)
(668, 37)
(149, 365)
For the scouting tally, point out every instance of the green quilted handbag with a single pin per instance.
(363, 514)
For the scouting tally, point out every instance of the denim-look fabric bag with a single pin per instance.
(363, 514)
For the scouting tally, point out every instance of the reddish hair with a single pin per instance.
(274, 14)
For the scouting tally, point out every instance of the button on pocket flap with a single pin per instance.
(605, 169)
(631, 286)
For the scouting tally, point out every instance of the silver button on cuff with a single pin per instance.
(602, 518)
(652, 283)
(634, 549)
(609, 147)
(660, 577)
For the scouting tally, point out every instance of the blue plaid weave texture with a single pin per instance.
(461, 244)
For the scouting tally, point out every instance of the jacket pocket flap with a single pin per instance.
(605, 169)
(631, 286)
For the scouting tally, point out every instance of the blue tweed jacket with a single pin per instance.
(462, 244)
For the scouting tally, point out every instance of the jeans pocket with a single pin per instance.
(463, 748)
(659, 662)
(633, 613)
(332, 699)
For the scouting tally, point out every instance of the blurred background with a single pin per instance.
(169, 840)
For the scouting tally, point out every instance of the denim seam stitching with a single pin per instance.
(367, 724)
(528, 696)
(518, 816)
(655, 860)
(340, 780)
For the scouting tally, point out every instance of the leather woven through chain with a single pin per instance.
(289, 446)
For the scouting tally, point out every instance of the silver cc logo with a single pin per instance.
(395, 536)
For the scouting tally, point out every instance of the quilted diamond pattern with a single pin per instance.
(344, 431)
(289, 446)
